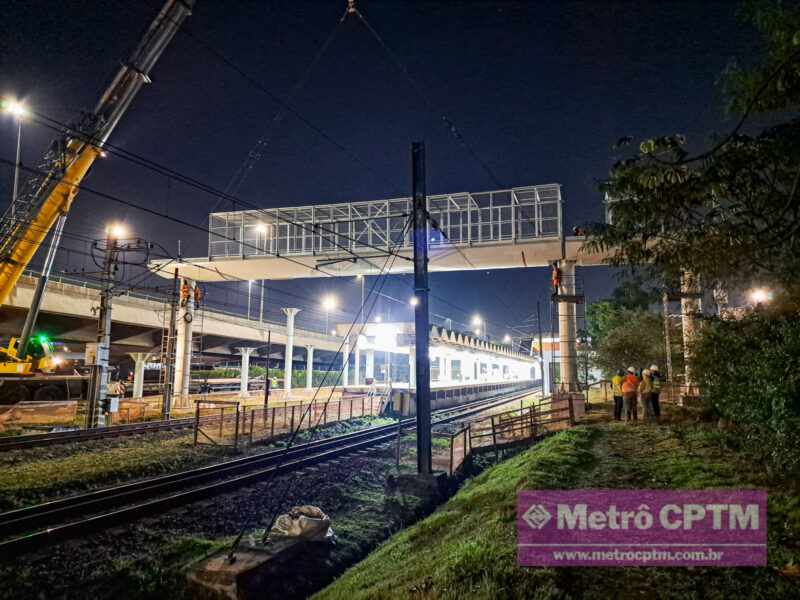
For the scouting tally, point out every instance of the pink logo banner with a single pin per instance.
(607, 528)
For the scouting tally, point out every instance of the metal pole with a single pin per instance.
(98, 383)
(541, 348)
(363, 308)
(266, 373)
(169, 372)
(38, 294)
(249, 289)
(16, 175)
(261, 304)
(421, 317)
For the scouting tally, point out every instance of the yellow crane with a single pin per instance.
(43, 204)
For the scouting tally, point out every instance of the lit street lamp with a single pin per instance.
(328, 304)
(18, 110)
(760, 295)
(414, 301)
(479, 325)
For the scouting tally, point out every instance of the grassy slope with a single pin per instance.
(467, 548)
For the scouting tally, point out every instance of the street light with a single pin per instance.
(116, 230)
(479, 325)
(328, 304)
(378, 319)
(414, 301)
(760, 295)
(19, 111)
(507, 339)
(362, 279)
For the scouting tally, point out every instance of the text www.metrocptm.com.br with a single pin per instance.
(638, 555)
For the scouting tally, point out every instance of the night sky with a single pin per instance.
(539, 90)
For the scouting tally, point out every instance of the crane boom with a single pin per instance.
(48, 197)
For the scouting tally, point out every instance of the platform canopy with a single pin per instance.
(501, 229)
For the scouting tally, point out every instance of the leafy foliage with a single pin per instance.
(634, 338)
(749, 370)
(732, 212)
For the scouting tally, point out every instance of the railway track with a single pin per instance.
(48, 523)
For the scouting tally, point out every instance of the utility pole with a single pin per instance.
(421, 317)
(261, 304)
(541, 349)
(98, 381)
(169, 373)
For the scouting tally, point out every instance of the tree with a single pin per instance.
(636, 338)
(732, 212)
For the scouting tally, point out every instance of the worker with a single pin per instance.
(630, 385)
(197, 296)
(185, 291)
(646, 394)
(658, 382)
(555, 278)
(616, 391)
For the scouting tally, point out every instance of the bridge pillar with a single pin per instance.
(567, 330)
(691, 308)
(309, 367)
(183, 347)
(139, 361)
(244, 372)
(346, 362)
(369, 367)
(287, 361)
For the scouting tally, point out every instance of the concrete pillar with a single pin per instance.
(346, 362)
(287, 361)
(309, 367)
(244, 372)
(412, 367)
(183, 343)
(566, 328)
(139, 361)
(369, 367)
(357, 366)
(691, 308)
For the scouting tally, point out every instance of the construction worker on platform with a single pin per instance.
(555, 279)
(646, 394)
(197, 296)
(616, 391)
(658, 383)
(185, 291)
(630, 385)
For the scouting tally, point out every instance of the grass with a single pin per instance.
(467, 548)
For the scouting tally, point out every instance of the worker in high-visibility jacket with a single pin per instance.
(658, 382)
(616, 392)
(630, 386)
(646, 395)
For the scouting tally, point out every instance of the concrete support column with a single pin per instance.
(139, 361)
(412, 367)
(566, 328)
(287, 361)
(369, 367)
(357, 366)
(691, 308)
(309, 367)
(183, 345)
(244, 372)
(346, 362)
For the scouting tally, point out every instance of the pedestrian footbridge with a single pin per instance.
(501, 229)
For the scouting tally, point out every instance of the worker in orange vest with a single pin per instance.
(630, 385)
(555, 278)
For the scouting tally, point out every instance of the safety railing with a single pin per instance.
(463, 219)
(238, 425)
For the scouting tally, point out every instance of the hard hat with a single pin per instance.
(631, 370)
(654, 367)
(646, 372)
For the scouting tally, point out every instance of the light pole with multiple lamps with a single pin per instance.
(18, 110)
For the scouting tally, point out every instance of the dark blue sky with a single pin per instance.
(540, 90)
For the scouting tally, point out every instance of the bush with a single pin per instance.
(749, 372)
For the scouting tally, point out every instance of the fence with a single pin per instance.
(236, 425)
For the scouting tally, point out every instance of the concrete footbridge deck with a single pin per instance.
(500, 229)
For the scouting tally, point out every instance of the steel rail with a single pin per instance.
(133, 500)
